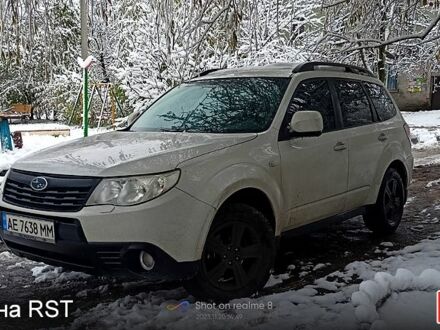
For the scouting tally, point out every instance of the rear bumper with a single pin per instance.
(121, 259)
(410, 167)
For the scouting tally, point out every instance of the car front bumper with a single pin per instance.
(116, 259)
(109, 239)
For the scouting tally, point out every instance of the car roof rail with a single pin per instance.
(206, 72)
(312, 66)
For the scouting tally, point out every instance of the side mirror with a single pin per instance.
(306, 123)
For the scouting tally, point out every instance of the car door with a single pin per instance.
(389, 125)
(366, 140)
(314, 169)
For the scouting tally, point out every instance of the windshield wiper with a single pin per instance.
(171, 130)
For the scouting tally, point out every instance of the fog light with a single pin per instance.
(147, 261)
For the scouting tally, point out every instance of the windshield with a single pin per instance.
(238, 105)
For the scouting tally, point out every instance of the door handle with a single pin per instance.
(274, 163)
(382, 137)
(339, 146)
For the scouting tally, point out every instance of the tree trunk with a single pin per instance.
(381, 50)
(381, 64)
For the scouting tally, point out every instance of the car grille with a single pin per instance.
(63, 193)
(110, 259)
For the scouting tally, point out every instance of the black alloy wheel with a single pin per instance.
(384, 217)
(238, 255)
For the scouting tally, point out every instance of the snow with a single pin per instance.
(291, 267)
(418, 307)
(425, 127)
(429, 118)
(319, 266)
(38, 127)
(34, 143)
(47, 273)
(433, 183)
(276, 279)
(385, 299)
(6, 256)
(400, 301)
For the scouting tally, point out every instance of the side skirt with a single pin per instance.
(314, 226)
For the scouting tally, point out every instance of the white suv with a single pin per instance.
(201, 186)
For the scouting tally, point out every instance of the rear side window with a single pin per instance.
(355, 107)
(313, 95)
(382, 103)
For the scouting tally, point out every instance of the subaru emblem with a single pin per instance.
(39, 183)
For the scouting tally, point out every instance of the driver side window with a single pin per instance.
(312, 95)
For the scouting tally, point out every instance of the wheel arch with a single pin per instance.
(399, 166)
(249, 195)
(253, 197)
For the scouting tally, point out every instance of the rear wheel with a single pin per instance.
(384, 217)
(238, 255)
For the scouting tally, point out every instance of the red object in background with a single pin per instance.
(438, 307)
(18, 140)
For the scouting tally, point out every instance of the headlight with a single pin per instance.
(132, 190)
(3, 176)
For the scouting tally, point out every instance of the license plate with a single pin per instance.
(36, 229)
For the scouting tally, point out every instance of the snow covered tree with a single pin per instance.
(374, 33)
(173, 41)
(38, 41)
(146, 47)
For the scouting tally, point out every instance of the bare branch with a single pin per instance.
(335, 4)
(421, 35)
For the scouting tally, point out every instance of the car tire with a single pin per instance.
(384, 217)
(238, 255)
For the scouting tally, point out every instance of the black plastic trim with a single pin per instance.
(310, 66)
(312, 227)
(206, 72)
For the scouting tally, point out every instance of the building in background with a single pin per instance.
(419, 90)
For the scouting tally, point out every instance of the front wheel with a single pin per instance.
(384, 217)
(238, 255)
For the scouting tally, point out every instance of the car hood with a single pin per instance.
(126, 153)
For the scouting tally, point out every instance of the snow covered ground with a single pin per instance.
(40, 126)
(396, 290)
(425, 126)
